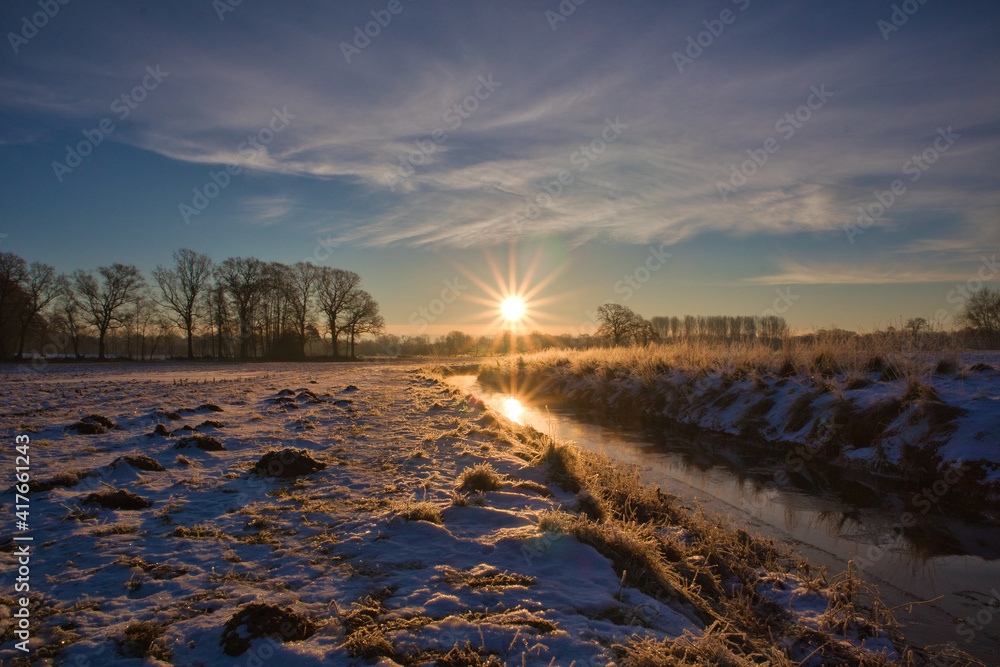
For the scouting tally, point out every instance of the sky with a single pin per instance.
(834, 163)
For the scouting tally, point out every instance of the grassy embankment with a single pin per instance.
(855, 405)
(722, 574)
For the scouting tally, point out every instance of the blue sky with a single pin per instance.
(368, 164)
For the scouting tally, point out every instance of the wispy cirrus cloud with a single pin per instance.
(797, 274)
(686, 131)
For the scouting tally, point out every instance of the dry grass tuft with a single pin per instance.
(484, 578)
(423, 511)
(199, 532)
(480, 478)
(143, 640)
(115, 529)
(465, 500)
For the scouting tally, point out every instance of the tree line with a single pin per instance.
(246, 308)
(240, 308)
(620, 325)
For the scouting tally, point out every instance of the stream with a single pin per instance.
(949, 565)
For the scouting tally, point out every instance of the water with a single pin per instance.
(949, 565)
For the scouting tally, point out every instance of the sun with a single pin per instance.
(512, 308)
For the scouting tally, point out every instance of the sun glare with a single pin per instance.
(512, 308)
(513, 409)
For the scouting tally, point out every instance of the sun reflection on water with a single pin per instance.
(513, 409)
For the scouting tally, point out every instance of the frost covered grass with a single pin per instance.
(337, 544)
(885, 354)
(479, 478)
(866, 407)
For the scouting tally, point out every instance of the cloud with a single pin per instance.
(265, 211)
(798, 274)
(659, 180)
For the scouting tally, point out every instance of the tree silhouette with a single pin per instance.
(303, 280)
(181, 286)
(982, 315)
(102, 301)
(361, 316)
(336, 289)
(242, 279)
(13, 270)
(41, 286)
(619, 323)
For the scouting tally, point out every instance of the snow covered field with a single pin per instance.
(371, 553)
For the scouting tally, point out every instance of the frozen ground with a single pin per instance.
(347, 549)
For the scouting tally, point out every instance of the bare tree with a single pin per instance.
(982, 315)
(361, 316)
(103, 301)
(40, 287)
(69, 318)
(457, 342)
(303, 280)
(181, 286)
(619, 323)
(218, 316)
(13, 270)
(142, 318)
(243, 280)
(915, 325)
(336, 288)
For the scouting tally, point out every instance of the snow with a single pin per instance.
(316, 544)
(218, 536)
(720, 401)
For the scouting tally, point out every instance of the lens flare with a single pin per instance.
(513, 409)
(512, 308)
